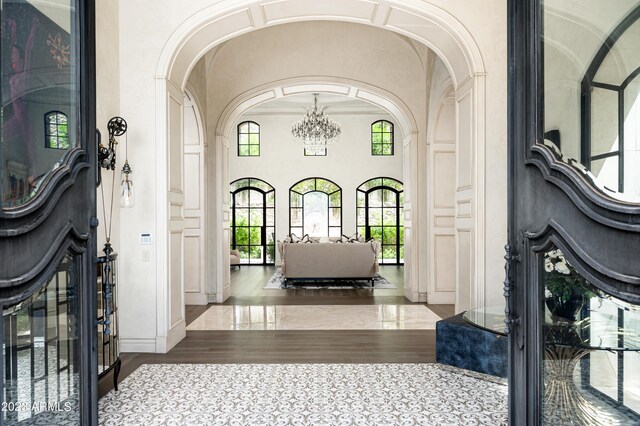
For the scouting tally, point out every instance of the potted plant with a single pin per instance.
(566, 291)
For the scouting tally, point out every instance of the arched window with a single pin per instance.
(379, 204)
(611, 109)
(382, 138)
(315, 208)
(248, 139)
(56, 130)
(253, 220)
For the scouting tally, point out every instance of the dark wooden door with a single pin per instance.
(573, 271)
(47, 214)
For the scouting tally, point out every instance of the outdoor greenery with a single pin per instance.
(382, 138)
(57, 131)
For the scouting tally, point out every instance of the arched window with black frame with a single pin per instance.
(611, 109)
(382, 138)
(315, 208)
(253, 221)
(380, 215)
(248, 139)
(56, 130)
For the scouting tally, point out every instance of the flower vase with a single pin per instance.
(565, 309)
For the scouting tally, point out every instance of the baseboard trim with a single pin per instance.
(175, 335)
(146, 345)
(442, 298)
(195, 299)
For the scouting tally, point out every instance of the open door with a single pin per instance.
(48, 363)
(573, 256)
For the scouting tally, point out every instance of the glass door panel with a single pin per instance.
(591, 347)
(253, 221)
(41, 353)
(39, 95)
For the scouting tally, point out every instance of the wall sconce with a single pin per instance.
(127, 197)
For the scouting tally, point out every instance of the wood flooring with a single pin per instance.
(293, 346)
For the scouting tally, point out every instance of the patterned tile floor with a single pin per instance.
(305, 394)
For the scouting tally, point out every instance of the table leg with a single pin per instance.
(564, 404)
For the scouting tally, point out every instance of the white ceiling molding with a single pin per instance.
(418, 20)
(296, 86)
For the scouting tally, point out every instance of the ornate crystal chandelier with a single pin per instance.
(316, 130)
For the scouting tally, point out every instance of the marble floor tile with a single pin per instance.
(316, 317)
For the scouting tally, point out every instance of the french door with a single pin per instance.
(48, 365)
(253, 221)
(380, 215)
(572, 272)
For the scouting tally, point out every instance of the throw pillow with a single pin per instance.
(324, 240)
(305, 239)
(295, 238)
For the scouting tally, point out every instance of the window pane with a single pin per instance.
(604, 123)
(606, 170)
(242, 199)
(244, 128)
(335, 199)
(243, 139)
(389, 216)
(389, 235)
(335, 231)
(270, 217)
(389, 252)
(255, 235)
(254, 139)
(387, 127)
(375, 198)
(296, 199)
(254, 150)
(376, 149)
(296, 217)
(316, 220)
(376, 138)
(256, 217)
(377, 126)
(375, 216)
(387, 149)
(271, 199)
(243, 150)
(386, 138)
(242, 235)
(254, 128)
(361, 215)
(335, 217)
(242, 216)
(376, 232)
(244, 251)
(360, 199)
(256, 198)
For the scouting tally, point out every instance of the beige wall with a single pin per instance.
(108, 106)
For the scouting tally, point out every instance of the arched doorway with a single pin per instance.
(438, 29)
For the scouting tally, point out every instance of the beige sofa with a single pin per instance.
(329, 260)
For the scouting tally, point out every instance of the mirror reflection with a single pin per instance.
(592, 91)
(38, 96)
